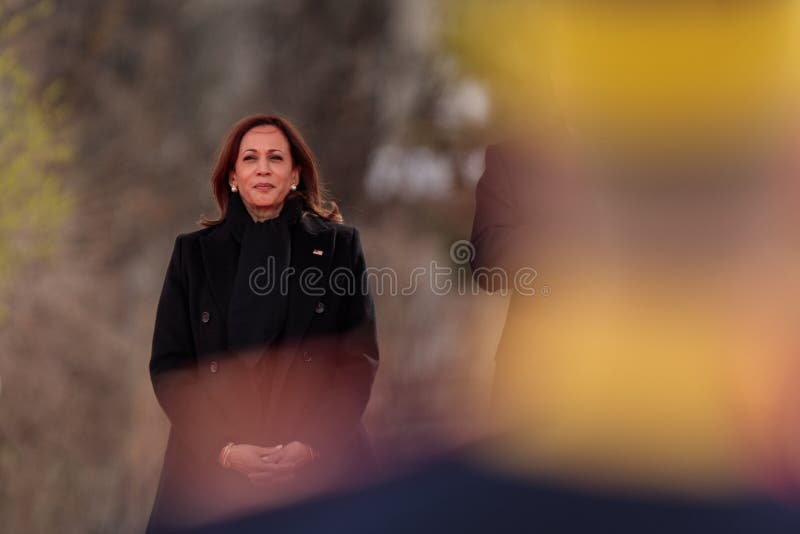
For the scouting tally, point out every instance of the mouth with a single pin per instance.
(263, 186)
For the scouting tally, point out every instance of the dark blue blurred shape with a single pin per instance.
(452, 494)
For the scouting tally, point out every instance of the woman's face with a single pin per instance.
(264, 172)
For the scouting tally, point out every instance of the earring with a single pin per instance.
(294, 187)
(234, 188)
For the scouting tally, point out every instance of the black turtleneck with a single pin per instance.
(258, 306)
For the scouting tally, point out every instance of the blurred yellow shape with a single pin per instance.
(683, 68)
(626, 384)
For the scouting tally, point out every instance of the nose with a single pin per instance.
(263, 167)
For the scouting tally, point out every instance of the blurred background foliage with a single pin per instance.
(34, 145)
(111, 114)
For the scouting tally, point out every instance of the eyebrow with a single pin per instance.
(268, 151)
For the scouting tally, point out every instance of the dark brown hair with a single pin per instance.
(308, 188)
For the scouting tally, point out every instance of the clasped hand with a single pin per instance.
(265, 465)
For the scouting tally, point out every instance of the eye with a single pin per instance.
(248, 158)
(276, 158)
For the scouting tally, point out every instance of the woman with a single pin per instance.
(261, 362)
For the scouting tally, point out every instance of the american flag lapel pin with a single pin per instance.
(318, 252)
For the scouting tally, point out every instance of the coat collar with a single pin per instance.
(310, 235)
(237, 218)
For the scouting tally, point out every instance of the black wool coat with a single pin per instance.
(312, 387)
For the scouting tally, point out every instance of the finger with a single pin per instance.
(272, 458)
(268, 468)
(254, 464)
(290, 461)
(275, 457)
(276, 468)
(266, 451)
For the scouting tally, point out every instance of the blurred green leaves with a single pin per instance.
(33, 150)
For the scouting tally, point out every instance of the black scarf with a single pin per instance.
(258, 305)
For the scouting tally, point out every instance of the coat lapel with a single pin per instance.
(312, 252)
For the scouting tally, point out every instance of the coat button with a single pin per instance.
(306, 357)
(320, 307)
(213, 367)
(205, 316)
